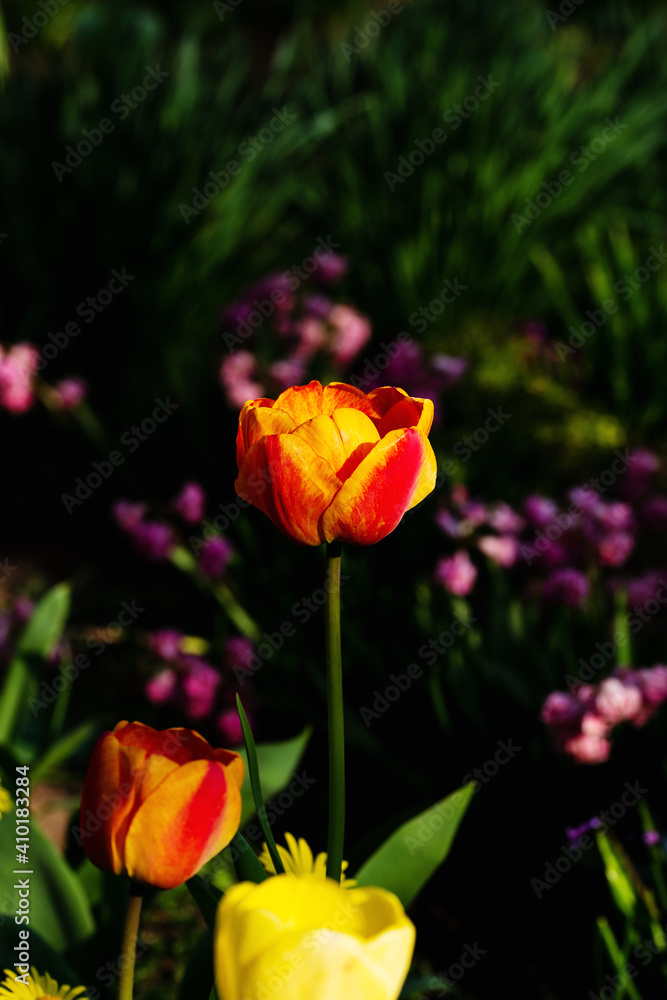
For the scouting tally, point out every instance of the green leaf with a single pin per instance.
(206, 896)
(36, 643)
(277, 764)
(59, 908)
(65, 747)
(247, 865)
(408, 858)
(619, 881)
(198, 975)
(255, 784)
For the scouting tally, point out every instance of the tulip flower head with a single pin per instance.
(304, 936)
(156, 806)
(329, 463)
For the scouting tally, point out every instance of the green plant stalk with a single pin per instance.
(335, 716)
(129, 945)
(255, 784)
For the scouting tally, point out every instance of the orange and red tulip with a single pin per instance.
(331, 462)
(157, 805)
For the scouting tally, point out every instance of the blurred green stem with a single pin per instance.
(129, 945)
(335, 716)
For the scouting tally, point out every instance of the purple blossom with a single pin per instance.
(615, 548)
(70, 392)
(449, 369)
(128, 515)
(229, 725)
(214, 557)
(642, 589)
(153, 540)
(503, 519)
(161, 688)
(200, 685)
(500, 549)
(567, 586)
(330, 268)
(448, 523)
(540, 510)
(239, 653)
(457, 574)
(654, 513)
(190, 503)
(166, 644)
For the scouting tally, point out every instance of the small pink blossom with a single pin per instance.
(540, 510)
(311, 335)
(561, 709)
(236, 376)
(588, 749)
(618, 700)
(239, 653)
(287, 372)
(229, 725)
(503, 519)
(457, 574)
(166, 644)
(500, 549)
(161, 688)
(128, 515)
(330, 268)
(350, 333)
(615, 548)
(17, 374)
(70, 392)
(200, 685)
(567, 586)
(214, 557)
(190, 503)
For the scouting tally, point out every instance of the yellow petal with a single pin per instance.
(343, 439)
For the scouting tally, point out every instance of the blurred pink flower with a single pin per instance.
(330, 268)
(236, 376)
(567, 586)
(351, 332)
(540, 510)
(500, 549)
(153, 540)
(615, 548)
(239, 653)
(17, 373)
(162, 687)
(561, 709)
(70, 392)
(200, 685)
(166, 644)
(618, 700)
(287, 372)
(457, 574)
(190, 503)
(127, 514)
(214, 557)
(503, 519)
(615, 516)
(229, 725)
(448, 523)
(311, 335)
(654, 513)
(588, 749)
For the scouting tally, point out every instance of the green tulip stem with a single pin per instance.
(129, 945)
(335, 716)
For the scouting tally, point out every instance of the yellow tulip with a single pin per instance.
(304, 937)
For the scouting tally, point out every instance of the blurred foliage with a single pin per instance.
(355, 114)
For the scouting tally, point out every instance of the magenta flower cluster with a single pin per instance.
(205, 694)
(560, 546)
(19, 365)
(301, 322)
(581, 722)
(156, 539)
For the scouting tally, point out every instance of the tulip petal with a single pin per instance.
(101, 786)
(259, 418)
(340, 395)
(408, 413)
(342, 439)
(283, 477)
(398, 473)
(301, 402)
(175, 831)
